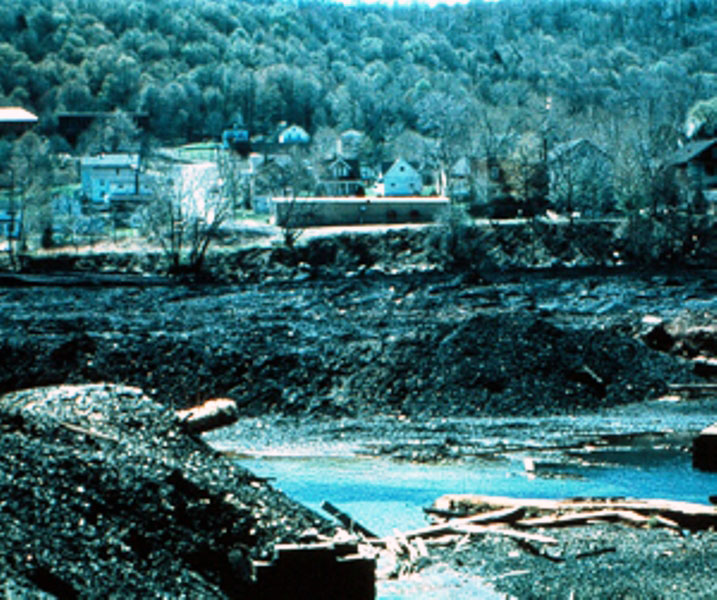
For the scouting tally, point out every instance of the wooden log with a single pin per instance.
(443, 540)
(481, 502)
(212, 414)
(347, 521)
(692, 387)
(505, 515)
(670, 513)
(525, 545)
(581, 518)
(404, 543)
(89, 432)
(656, 504)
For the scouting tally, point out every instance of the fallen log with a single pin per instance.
(670, 513)
(695, 388)
(89, 432)
(581, 518)
(507, 515)
(527, 546)
(212, 414)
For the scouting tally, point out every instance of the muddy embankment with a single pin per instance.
(439, 322)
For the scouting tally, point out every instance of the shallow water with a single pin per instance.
(384, 494)
(641, 452)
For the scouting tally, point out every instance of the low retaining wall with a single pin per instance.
(307, 212)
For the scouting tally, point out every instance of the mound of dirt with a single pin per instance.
(364, 345)
(104, 495)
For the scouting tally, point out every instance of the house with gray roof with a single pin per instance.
(696, 164)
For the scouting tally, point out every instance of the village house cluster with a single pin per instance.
(284, 177)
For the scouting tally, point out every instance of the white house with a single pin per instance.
(294, 135)
(111, 174)
(401, 179)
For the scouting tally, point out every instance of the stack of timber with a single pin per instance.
(460, 517)
(532, 513)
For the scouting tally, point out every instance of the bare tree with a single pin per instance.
(289, 176)
(30, 172)
(236, 186)
(186, 212)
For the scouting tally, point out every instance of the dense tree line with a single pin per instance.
(608, 68)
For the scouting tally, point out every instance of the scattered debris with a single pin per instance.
(561, 513)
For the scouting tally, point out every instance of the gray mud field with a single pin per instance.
(409, 349)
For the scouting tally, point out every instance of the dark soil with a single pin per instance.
(596, 561)
(412, 344)
(350, 328)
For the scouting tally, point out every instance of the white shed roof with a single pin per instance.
(16, 114)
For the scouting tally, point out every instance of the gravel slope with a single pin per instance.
(103, 495)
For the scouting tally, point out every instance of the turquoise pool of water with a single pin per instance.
(384, 494)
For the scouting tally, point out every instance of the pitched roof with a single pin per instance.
(388, 166)
(690, 151)
(294, 133)
(567, 148)
(351, 164)
(16, 114)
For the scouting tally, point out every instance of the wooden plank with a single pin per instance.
(503, 515)
(580, 518)
(656, 505)
(692, 387)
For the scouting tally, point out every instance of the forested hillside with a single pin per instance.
(467, 78)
